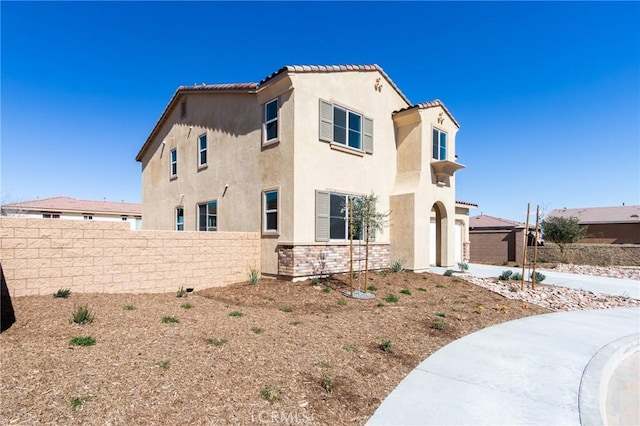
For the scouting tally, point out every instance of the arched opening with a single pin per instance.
(437, 233)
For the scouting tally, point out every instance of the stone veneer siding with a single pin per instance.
(40, 256)
(316, 260)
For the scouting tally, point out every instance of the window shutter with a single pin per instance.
(368, 135)
(326, 121)
(322, 216)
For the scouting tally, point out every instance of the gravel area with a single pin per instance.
(628, 272)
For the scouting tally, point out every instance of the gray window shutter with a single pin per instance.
(322, 216)
(326, 121)
(368, 135)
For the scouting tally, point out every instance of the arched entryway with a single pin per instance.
(437, 233)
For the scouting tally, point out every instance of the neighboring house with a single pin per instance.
(283, 156)
(496, 240)
(71, 208)
(606, 225)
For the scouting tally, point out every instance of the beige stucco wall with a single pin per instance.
(40, 256)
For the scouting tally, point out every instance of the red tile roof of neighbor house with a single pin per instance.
(593, 215)
(467, 203)
(254, 87)
(68, 204)
(486, 221)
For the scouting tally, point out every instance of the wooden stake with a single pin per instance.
(350, 246)
(535, 248)
(526, 240)
(366, 255)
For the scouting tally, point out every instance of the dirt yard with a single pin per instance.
(293, 354)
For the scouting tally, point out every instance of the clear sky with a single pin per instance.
(547, 94)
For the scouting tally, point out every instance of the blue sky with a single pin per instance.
(547, 94)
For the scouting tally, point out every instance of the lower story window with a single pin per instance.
(208, 216)
(271, 211)
(179, 219)
(88, 217)
(332, 217)
(51, 215)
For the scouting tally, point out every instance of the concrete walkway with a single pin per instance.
(605, 285)
(566, 368)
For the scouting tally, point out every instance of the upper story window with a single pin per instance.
(343, 126)
(271, 121)
(179, 219)
(439, 145)
(270, 207)
(202, 150)
(208, 216)
(332, 217)
(124, 218)
(174, 162)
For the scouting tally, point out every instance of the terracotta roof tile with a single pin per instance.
(587, 215)
(69, 204)
(467, 203)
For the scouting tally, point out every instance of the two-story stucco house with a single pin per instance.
(283, 156)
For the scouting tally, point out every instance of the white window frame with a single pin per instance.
(207, 214)
(173, 163)
(177, 217)
(266, 211)
(327, 129)
(325, 215)
(437, 156)
(347, 129)
(203, 150)
(266, 121)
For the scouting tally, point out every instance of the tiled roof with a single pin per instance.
(431, 104)
(587, 215)
(486, 221)
(68, 204)
(467, 203)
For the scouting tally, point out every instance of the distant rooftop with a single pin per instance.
(68, 204)
(593, 215)
(486, 221)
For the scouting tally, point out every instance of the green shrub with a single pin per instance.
(164, 364)
(421, 289)
(186, 306)
(327, 383)
(257, 330)
(79, 400)
(448, 272)
(517, 276)
(63, 293)
(170, 320)
(129, 308)
(217, 342)
(440, 314)
(315, 281)
(326, 289)
(254, 275)
(286, 309)
(441, 286)
(181, 292)
(372, 288)
(82, 341)
(385, 346)
(391, 298)
(271, 394)
(397, 265)
(539, 277)
(406, 291)
(505, 275)
(439, 325)
(82, 315)
(236, 314)
(463, 266)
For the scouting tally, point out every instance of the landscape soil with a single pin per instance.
(295, 352)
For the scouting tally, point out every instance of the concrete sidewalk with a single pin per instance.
(605, 285)
(560, 368)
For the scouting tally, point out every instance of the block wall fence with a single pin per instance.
(40, 256)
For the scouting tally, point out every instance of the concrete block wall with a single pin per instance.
(40, 256)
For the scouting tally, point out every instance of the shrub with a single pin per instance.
(406, 291)
(448, 272)
(385, 346)
(441, 286)
(129, 308)
(62, 293)
(421, 289)
(463, 266)
(327, 383)
(170, 320)
(217, 342)
(254, 275)
(236, 314)
(271, 394)
(397, 265)
(164, 364)
(506, 275)
(257, 330)
(79, 400)
(391, 298)
(439, 325)
(315, 281)
(326, 289)
(286, 309)
(342, 302)
(517, 276)
(181, 292)
(186, 306)
(82, 341)
(82, 315)
(539, 277)
(372, 288)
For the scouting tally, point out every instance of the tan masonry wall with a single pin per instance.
(40, 256)
(316, 260)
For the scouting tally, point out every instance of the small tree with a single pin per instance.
(563, 231)
(365, 212)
